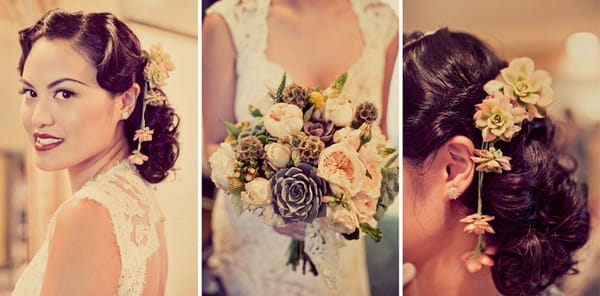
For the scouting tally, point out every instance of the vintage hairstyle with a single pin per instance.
(115, 52)
(541, 212)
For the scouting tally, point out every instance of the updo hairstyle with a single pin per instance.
(115, 51)
(541, 211)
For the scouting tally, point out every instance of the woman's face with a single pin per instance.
(68, 117)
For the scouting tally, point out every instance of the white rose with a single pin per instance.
(340, 219)
(222, 165)
(269, 217)
(278, 155)
(257, 192)
(283, 120)
(338, 110)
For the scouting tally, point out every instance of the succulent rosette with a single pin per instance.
(298, 194)
(530, 87)
(497, 117)
(323, 129)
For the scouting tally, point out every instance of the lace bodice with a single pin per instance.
(247, 21)
(134, 214)
(249, 256)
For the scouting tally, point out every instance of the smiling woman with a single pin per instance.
(93, 104)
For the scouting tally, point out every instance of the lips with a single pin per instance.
(45, 142)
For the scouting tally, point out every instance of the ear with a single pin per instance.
(125, 101)
(456, 156)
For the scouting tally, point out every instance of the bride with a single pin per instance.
(249, 43)
(92, 104)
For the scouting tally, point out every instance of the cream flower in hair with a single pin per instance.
(529, 86)
(491, 161)
(497, 117)
(478, 224)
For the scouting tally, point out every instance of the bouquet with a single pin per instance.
(314, 157)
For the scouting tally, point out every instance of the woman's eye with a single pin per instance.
(63, 94)
(28, 93)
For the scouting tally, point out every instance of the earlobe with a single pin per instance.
(126, 100)
(459, 166)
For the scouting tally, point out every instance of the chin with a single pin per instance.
(46, 164)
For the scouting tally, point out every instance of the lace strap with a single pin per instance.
(246, 20)
(134, 216)
(378, 22)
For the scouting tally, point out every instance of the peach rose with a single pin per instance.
(365, 206)
(340, 166)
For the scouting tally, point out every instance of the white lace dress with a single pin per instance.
(249, 256)
(134, 213)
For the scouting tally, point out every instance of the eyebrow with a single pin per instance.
(56, 82)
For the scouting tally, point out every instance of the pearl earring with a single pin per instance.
(124, 115)
(453, 192)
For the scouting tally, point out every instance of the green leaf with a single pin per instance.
(391, 161)
(387, 151)
(263, 139)
(231, 129)
(339, 82)
(278, 96)
(374, 233)
(309, 113)
(254, 111)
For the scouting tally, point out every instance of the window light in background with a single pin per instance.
(583, 45)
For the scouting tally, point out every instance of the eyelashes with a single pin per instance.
(59, 94)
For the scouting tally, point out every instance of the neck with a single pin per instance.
(84, 171)
(444, 273)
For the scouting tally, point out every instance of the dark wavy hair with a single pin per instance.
(541, 211)
(115, 51)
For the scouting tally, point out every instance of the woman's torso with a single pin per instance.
(249, 255)
(137, 225)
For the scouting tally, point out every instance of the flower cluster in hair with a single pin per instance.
(156, 72)
(519, 93)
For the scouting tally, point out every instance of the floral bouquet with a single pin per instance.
(314, 157)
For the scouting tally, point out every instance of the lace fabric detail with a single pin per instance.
(134, 215)
(321, 245)
(248, 255)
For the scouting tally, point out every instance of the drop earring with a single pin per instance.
(453, 193)
(124, 115)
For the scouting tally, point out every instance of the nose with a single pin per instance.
(42, 115)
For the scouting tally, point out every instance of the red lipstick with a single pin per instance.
(45, 142)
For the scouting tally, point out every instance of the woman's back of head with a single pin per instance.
(540, 211)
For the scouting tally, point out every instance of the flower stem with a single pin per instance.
(143, 124)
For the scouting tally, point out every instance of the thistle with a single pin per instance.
(310, 148)
(296, 95)
(250, 149)
(365, 113)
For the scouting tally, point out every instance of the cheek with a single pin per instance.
(25, 116)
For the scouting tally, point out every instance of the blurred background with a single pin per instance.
(562, 38)
(28, 197)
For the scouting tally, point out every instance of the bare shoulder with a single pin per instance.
(83, 256)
